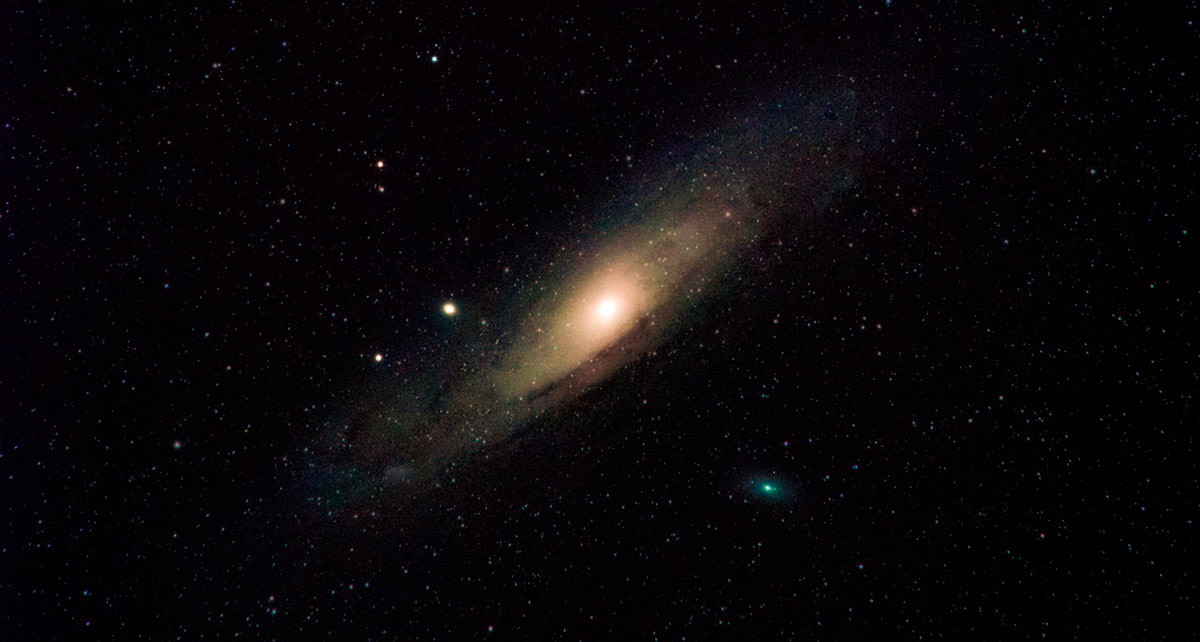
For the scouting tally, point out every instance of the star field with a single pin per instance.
(734, 321)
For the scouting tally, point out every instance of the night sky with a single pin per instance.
(748, 321)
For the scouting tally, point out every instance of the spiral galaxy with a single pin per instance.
(676, 244)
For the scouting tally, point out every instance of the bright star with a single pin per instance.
(379, 357)
(449, 309)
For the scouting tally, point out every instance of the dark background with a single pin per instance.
(972, 377)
